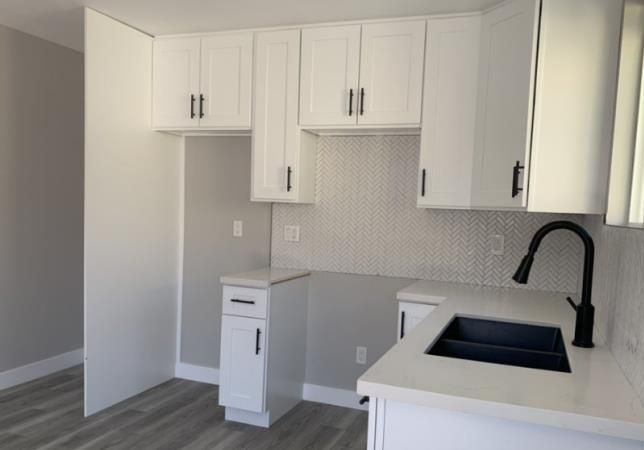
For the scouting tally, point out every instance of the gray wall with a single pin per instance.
(346, 311)
(217, 192)
(41, 199)
(618, 294)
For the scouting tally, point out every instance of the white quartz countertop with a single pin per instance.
(596, 397)
(263, 278)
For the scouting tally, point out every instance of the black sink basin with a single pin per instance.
(493, 341)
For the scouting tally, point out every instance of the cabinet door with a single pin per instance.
(391, 73)
(242, 364)
(175, 83)
(449, 113)
(226, 80)
(329, 75)
(275, 133)
(574, 103)
(504, 116)
(410, 315)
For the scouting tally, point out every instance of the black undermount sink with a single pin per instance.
(493, 341)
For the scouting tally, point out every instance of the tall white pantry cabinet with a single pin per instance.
(263, 347)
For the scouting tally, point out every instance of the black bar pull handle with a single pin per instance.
(247, 302)
(201, 100)
(350, 102)
(192, 106)
(289, 171)
(402, 324)
(422, 182)
(361, 101)
(516, 171)
(257, 349)
(364, 400)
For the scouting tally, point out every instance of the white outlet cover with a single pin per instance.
(292, 233)
(361, 355)
(238, 228)
(497, 244)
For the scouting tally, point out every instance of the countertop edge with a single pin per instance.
(506, 411)
(240, 280)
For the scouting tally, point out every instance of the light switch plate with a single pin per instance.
(361, 355)
(292, 233)
(497, 244)
(238, 228)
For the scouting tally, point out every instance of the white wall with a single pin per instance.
(132, 190)
(618, 294)
(41, 200)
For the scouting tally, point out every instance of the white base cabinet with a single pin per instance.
(263, 351)
(410, 315)
(404, 426)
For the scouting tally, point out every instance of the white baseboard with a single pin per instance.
(196, 373)
(333, 396)
(310, 392)
(40, 368)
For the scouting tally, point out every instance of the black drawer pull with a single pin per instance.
(402, 324)
(361, 101)
(257, 349)
(516, 170)
(350, 102)
(364, 400)
(246, 302)
(192, 106)
(201, 100)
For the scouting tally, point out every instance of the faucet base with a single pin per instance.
(584, 326)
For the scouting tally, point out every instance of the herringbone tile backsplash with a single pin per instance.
(365, 221)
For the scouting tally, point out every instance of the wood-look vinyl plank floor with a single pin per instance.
(47, 414)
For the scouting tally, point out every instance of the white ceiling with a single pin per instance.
(61, 21)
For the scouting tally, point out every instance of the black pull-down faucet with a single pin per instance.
(585, 309)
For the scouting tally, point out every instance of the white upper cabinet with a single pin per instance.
(391, 73)
(329, 75)
(202, 83)
(574, 106)
(226, 80)
(449, 113)
(546, 95)
(505, 98)
(362, 75)
(175, 83)
(283, 157)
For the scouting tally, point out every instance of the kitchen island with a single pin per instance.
(425, 401)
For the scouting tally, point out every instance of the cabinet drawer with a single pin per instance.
(248, 302)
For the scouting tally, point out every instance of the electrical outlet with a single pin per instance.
(292, 233)
(238, 228)
(361, 355)
(497, 244)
